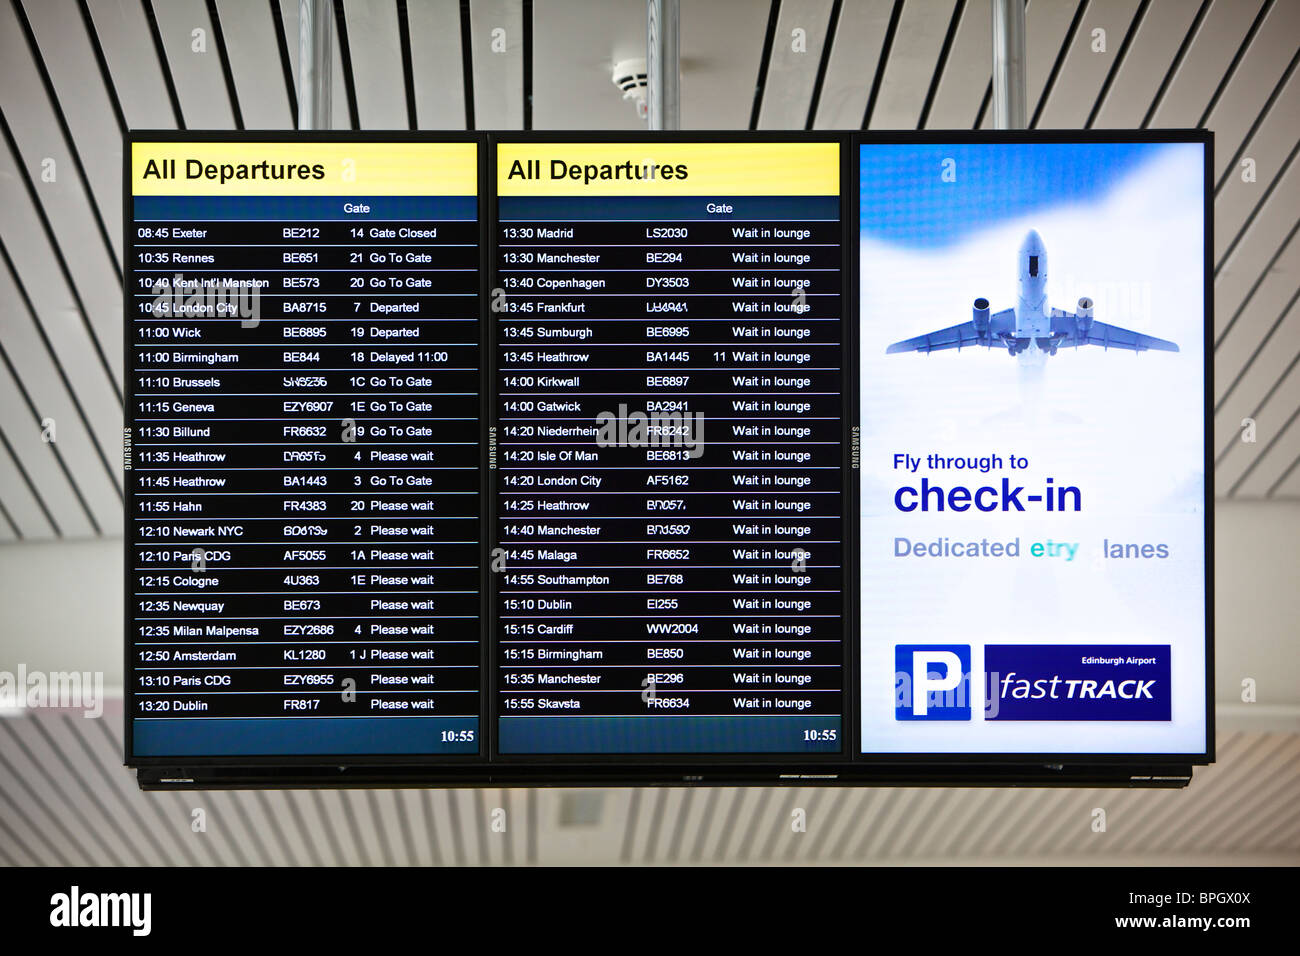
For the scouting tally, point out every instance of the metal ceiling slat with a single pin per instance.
(1212, 50)
(410, 816)
(65, 202)
(376, 52)
(830, 815)
(721, 50)
(20, 501)
(855, 52)
(1256, 75)
(1223, 819)
(339, 95)
(1051, 806)
(254, 55)
(1047, 27)
(857, 819)
(41, 808)
(230, 809)
(659, 836)
(1270, 775)
(1268, 149)
(716, 836)
(107, 747)
(754, 820)
(114, 802)
(87, 106)
(1288, 483)
(378, 823)
(787, 843)
(48, 388)
(436, 63)
(899, 840)
(1265, 231)
(1252, 475)
(1255, 356)
(967, 72)
(1083, 72)
(22, 431)
(566, 72)
(58, 785)
(1260, 830)
(328, 808)
(1138, 78)
(779, 829)
(883, 818)
(200, 83)
(910, 68)
(792, 67)
(496, 29)
(123, 33)
(58, 310)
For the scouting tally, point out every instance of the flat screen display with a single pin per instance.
(303, 444)
(668, 456)
(1032, 489)
(495, 459)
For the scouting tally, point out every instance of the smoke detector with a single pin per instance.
(630, 77)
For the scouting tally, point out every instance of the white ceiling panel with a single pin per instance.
(797, 45)
(1150, 56)
(496, 29)
(966, 76)
(254, 52)
(1089, 59)
(1253, 82)
(721, 48)
(123, 33)
(374, 43)
(194, 59)
(854, 59)
(918, 40)
(575, 47)
(437, 63)
(87, 108)
(1207, 59)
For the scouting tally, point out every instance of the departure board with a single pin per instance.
(667, 453)
(303, 448)
(575, 458)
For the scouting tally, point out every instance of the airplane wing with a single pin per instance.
(1066, 329)
(959, 336)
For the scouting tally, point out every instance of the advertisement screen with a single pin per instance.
(1032, 481)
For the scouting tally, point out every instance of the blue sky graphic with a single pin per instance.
(905, 200)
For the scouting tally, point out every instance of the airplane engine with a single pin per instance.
(1085, 316)
(980, 312)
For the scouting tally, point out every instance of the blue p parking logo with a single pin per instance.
(932, 682)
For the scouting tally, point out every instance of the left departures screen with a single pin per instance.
(303, 448)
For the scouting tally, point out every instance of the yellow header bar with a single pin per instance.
(668, 169)
(246, 168)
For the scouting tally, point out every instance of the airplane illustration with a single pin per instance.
(1032, 330)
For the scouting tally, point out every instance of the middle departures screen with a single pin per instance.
(668, 451)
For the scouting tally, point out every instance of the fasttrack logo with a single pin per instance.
(74, 909)
(932, 682)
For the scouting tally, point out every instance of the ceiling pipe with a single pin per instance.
(664, 64)
(315, 61)
(1010, 91)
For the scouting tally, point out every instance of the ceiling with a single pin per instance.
(66, 800)
(74, 74)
